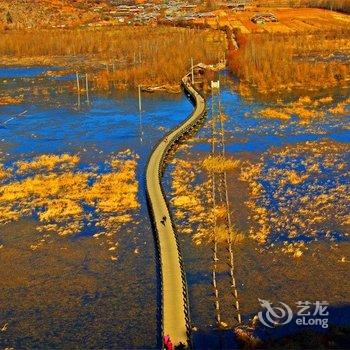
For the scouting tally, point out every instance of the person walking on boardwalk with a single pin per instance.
(163, 220)
(168, 345)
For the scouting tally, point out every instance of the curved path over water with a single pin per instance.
(175, 315)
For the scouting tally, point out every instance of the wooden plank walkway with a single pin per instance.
(175, 314)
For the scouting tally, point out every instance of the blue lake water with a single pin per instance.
(112, 123)
(109, 124)
(21, 72)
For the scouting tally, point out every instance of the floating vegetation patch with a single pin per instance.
(65, 199)
(306, 109)
(299, 194)
(272, 113)
(341, 108)
(9, 100)
(193, 200)
(219, 164)
(4, 173)
(48, 162)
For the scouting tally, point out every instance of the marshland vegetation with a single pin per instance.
(119, 56)
(307, 109)
(51, 188)
(280, 62)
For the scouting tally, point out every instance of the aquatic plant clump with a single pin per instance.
(307, 109)
(47, 162)
(64, 199)
(299, 194)
(219, 164)
(10, 100)
(193, 200)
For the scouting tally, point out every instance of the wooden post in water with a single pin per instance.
(87, 88)
(192, 73)
(78, 88)
(140, 103)
(140, 113)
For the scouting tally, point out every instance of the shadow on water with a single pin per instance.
(293, 336)
(215, 339)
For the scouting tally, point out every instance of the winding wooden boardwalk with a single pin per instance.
(175, 314)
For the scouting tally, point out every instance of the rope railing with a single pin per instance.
(220, 197)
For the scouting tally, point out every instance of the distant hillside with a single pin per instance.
(51, 13)
(335, 5)
(69, 13)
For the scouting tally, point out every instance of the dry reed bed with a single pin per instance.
(273, 62)
(137, 55)
(52, 189)
(193, 201)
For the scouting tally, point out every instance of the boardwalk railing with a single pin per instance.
(175, 315)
